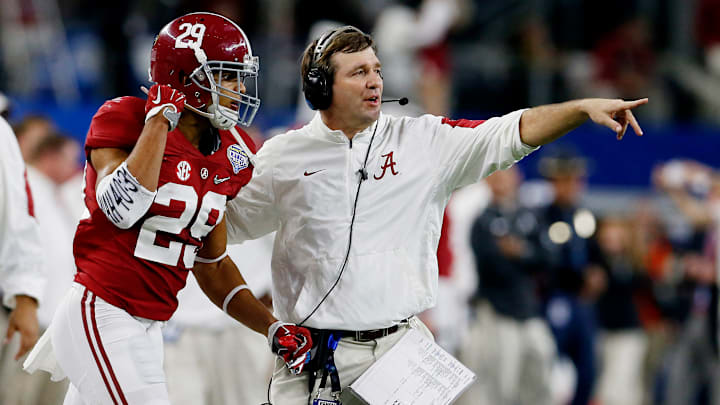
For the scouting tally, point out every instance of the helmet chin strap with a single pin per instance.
(214, 114)
(220, 120)
(198, 111)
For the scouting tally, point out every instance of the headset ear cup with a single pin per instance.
(318, 89)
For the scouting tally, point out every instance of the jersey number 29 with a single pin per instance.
(146, 247)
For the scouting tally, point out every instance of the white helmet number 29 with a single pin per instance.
(194, 31)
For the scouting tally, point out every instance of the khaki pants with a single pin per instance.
(512, 359)
(351, 358)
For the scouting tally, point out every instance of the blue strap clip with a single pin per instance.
(333, 342)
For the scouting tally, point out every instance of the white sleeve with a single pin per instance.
(252, 213)
(468, 154)
(20, 249)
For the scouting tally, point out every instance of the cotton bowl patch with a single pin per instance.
(238, 158)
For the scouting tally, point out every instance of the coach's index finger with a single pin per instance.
(628, 105)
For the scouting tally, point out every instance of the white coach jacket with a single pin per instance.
(20, 251)
(304, 186)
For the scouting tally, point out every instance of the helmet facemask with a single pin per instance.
(244, 105)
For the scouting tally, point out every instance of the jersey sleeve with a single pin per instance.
(252, 214)
(117, 124)
(471, 150)
(20, 247)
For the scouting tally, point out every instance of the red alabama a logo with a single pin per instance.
(389, 164)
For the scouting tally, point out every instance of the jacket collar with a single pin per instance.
(319, 129)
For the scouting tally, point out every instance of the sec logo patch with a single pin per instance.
(183, 170)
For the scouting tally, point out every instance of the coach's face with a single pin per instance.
(357, 88)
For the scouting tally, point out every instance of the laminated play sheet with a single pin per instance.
(415, 371)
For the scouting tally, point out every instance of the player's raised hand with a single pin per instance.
(167, 101)
(615, 114)
(292, 343)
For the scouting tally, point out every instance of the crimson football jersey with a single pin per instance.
(141, 269)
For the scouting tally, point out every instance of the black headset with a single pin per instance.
(318, 82)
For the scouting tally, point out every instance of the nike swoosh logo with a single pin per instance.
(218, 180)
(157, 100)
(307, 173)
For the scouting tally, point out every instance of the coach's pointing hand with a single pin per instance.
(546, 123)
(614, 114)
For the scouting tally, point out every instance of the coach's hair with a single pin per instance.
(348, 41)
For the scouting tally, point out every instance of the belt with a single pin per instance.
(372, 334)
(363, 335)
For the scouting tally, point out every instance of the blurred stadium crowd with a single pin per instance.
(576, 277)
(513, 52)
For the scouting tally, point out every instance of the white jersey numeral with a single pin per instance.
(195, 31)
(147, 249)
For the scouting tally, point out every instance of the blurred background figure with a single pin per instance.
(509, 344)
(572, 286)
(30, 132)
(652, 250)
(708, 34)
(692, 368)
(459, 283)
(415, 51)
(622, 341)
(55, 179)
(626, 65)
